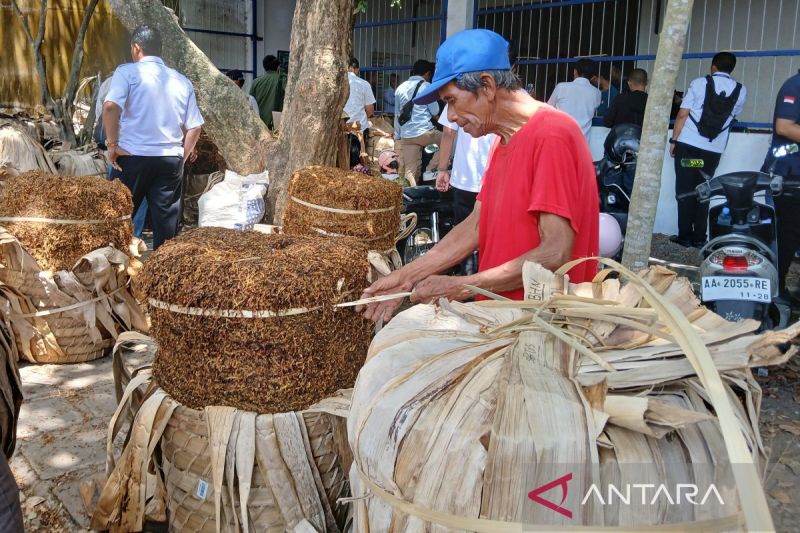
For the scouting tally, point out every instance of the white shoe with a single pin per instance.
(429, 176)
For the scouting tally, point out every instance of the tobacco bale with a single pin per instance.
(342, 189)
(264, 365)
(59, 246)
(209, 159)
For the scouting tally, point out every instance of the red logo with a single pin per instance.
(788, 99)
(535, 495)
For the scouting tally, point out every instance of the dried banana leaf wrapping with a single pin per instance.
(72, 315)
(221, 468)
(462, 412)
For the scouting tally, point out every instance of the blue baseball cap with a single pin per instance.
(466, 51)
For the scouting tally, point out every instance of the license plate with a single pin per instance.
(736, 288)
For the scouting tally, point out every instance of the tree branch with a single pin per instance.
(71, 89)
(25, 27)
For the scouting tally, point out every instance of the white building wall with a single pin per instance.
(275, 27)
(225, 51)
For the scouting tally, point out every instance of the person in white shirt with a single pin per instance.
(360, 103)
(703, 137)
(237, 76)
(578, 98)
(418, 130)
(152, 124)
(388, 95)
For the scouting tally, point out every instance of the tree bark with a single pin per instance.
(36, 46)
(68, 97)
(315, 94)
(238, 132)
(647, 185)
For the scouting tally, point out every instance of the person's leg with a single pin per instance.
(164, 197)
(787, 211)
(463, 203)
(139, 218)
(685, 179)
(10, 509)
(700, 222)
(133, 176)
(412, 160)
(433, 137)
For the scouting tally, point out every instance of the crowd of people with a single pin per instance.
(147, 150)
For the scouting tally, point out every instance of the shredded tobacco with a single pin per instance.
(342, 189)
(265, 365)
(59, 246)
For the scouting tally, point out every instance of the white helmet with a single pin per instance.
(610, 236)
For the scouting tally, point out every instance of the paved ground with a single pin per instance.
(61, 440)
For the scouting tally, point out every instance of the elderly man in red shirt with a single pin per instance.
(538, 201)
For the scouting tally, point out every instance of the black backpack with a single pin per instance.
(717, 109)
(408, 107)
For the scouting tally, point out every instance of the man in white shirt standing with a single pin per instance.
(152, 123)
(360, 103)
(710, 104)
(416, 130)
(578, 98)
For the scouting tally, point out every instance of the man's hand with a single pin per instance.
(391, 284)
(192, 156)
(672, 149)
(115, 152)
(443, 180)
(434, 287)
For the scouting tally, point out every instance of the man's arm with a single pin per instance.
(788, 128)
(111, 115)
(190, 140)
(369, 109)
(680, 120)
(445, 151)
(554, 250)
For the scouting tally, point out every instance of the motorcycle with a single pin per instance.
(738, 274)
(434, 212)
(616, 171)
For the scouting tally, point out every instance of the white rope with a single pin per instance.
(70, 307)
(63, 221)
(342, 211)
(243, 313)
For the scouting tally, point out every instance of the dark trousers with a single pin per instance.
(463, 203)
(160, 180)
(692, 215)
(787, 211)
(10, 509)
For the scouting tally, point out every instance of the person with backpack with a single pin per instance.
(413, 124)
(699, 138)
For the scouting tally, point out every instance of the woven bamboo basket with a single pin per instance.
(67, 316)
(223, 469)
(505, 416)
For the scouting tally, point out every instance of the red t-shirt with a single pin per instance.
(545, 167)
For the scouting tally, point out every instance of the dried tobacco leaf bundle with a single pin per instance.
(333, 202)
(59, 245)
(295, 349)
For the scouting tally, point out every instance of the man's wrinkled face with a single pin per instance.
(471, 111)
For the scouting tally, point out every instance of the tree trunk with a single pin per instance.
(647, 186)
(238, 132)
(315, 94)
(68, 97)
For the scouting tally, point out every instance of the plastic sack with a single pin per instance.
(237, 202)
